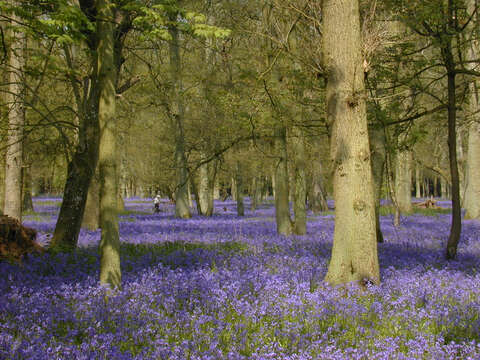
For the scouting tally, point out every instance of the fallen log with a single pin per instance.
(427, 204)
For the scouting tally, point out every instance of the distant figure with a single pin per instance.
(156, 203)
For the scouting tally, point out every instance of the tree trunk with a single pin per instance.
(378, 142)
(317, 199)
(80, 171)
(253, 194)
(27, 203)
(472, 195)
(403, 181)
(233, 188)
(110, 272)
(91, 215)
(216, 189)
(300, 197)
(16, 121)
(282, 208)
(206, 189)
(178, 113)
(417, 181)
(354, 253)
(239, 192)
(456, 226)
(273, 185)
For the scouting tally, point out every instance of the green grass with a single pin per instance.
(390, 210)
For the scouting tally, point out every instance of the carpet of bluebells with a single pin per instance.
(230, 288)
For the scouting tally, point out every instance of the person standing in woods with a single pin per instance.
(156, 203)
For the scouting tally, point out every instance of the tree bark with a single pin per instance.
(239, 191)
(456, 226)
(282, 208)
(91, 215)
(472, 195)
(206, 188)
(182, 209)
(417, 181)
(300, 196)
(110, 272)
(403, 180)
(27, 202)
(378, 142)
(354, 254)
(16, 121)
(233, 188)
(318, 201)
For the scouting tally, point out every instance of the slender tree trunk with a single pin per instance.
(354, 253)
(178, 112)
(206, 188)
(403, 181)
(91, 216)
(274, 185)
(378, 154)
(456, 226)
(239, 192)
(216, 189)
(80, 171)
(300, 198)
(16, 121)
(317, 199)
(417, 181)
(27, 203)
(253, 194)
(233, 188)
(282, 208)
(110, 272)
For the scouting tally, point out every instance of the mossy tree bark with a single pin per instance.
(418, 193)
(16, 121)
(354, 254)
(91, 216)
(110, 272)
(206, 188)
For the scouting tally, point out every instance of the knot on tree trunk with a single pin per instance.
(16, 240)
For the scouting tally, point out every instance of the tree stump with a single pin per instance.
(16, 240)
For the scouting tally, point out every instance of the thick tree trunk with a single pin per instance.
(300, 197)
(110, 272)
(378, 155)
(282, 208)
(239, 191)
(403, 181)
(16, 121)
(354, 253)
(472, 194)
(182, 209)
(472, 197)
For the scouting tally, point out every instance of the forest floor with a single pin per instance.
(230, 288)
